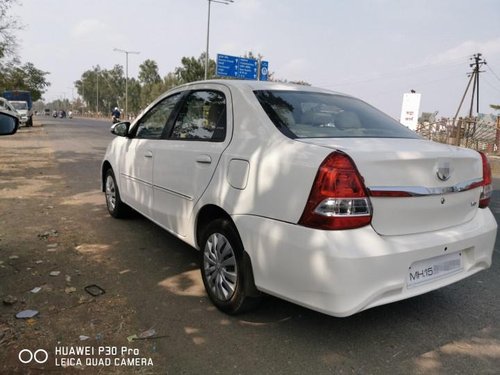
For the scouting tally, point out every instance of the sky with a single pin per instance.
(376, 50)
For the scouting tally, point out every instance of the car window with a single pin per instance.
(20, 105)
(202, 117)
(151, 125)
(303, 114)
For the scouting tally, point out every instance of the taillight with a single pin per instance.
(484, 199)
(338, 198)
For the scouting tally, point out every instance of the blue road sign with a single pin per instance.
(247, 68)
(226, 66)
(238, 67)
(264, 70)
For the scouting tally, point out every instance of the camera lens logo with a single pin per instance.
(27, 356)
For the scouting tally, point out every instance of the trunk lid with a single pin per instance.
(435, 179)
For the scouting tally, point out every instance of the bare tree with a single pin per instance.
(8, 25)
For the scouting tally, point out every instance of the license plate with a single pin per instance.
(427, 270)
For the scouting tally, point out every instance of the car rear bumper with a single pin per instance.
(343, 272)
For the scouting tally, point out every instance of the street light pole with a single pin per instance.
(225, 2)
(126, 75)
(97, 94)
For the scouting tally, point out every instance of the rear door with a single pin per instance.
(185, 161)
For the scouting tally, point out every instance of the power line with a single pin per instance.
(491, 85)
(491, 70)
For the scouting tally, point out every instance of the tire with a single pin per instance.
(29, 123)
(226, 269)
(116, 207)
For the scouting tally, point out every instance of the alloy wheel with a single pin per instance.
(219, 266)
(110, 192)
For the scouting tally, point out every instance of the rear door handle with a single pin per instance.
(204, 159)
(148, 154)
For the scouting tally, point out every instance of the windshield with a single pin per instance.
(19, 105)
(301, 114)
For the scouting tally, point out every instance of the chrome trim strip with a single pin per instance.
(187, 197)
(135, 179)
(172, 192)
(422, 191)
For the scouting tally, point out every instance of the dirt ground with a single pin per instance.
(47, 260)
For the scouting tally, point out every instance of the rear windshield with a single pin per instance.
(301, 114)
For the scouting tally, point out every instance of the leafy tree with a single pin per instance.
(24, 77)
(149, 77)
(134, 95)
(87, 88)
(148, 73)
(169, 82)
(13, 74)
(102, 89)
(193, 69)
(496, 107)
(114, 88)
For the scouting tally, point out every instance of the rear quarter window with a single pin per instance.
(302, 114)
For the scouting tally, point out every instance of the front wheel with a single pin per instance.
(116, 207)
(226, 270)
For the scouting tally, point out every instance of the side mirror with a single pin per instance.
(8, 123)
(120, 129)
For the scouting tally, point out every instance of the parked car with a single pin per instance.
(306, 194)
(9, 122)
(6, 105)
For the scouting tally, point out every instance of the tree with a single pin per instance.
(102, 89)
(193, 69)
(7, 26)
(14, 75)
(148, 73)
(87, 88)
(496, 107)
(24, 77)
(149, 77)
(134, 95)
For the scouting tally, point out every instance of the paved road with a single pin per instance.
(454, 330)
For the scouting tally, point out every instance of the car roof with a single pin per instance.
(264, 85)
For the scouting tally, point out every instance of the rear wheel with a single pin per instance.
(116, 207)
(226, 270)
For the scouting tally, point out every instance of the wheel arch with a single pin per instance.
(209, 213)
(105, 166)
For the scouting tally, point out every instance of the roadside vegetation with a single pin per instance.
(15, 74)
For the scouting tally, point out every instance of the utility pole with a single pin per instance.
(474, 77)
(478, 63)
(97, 93)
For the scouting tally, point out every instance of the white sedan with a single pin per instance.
(302, 193)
